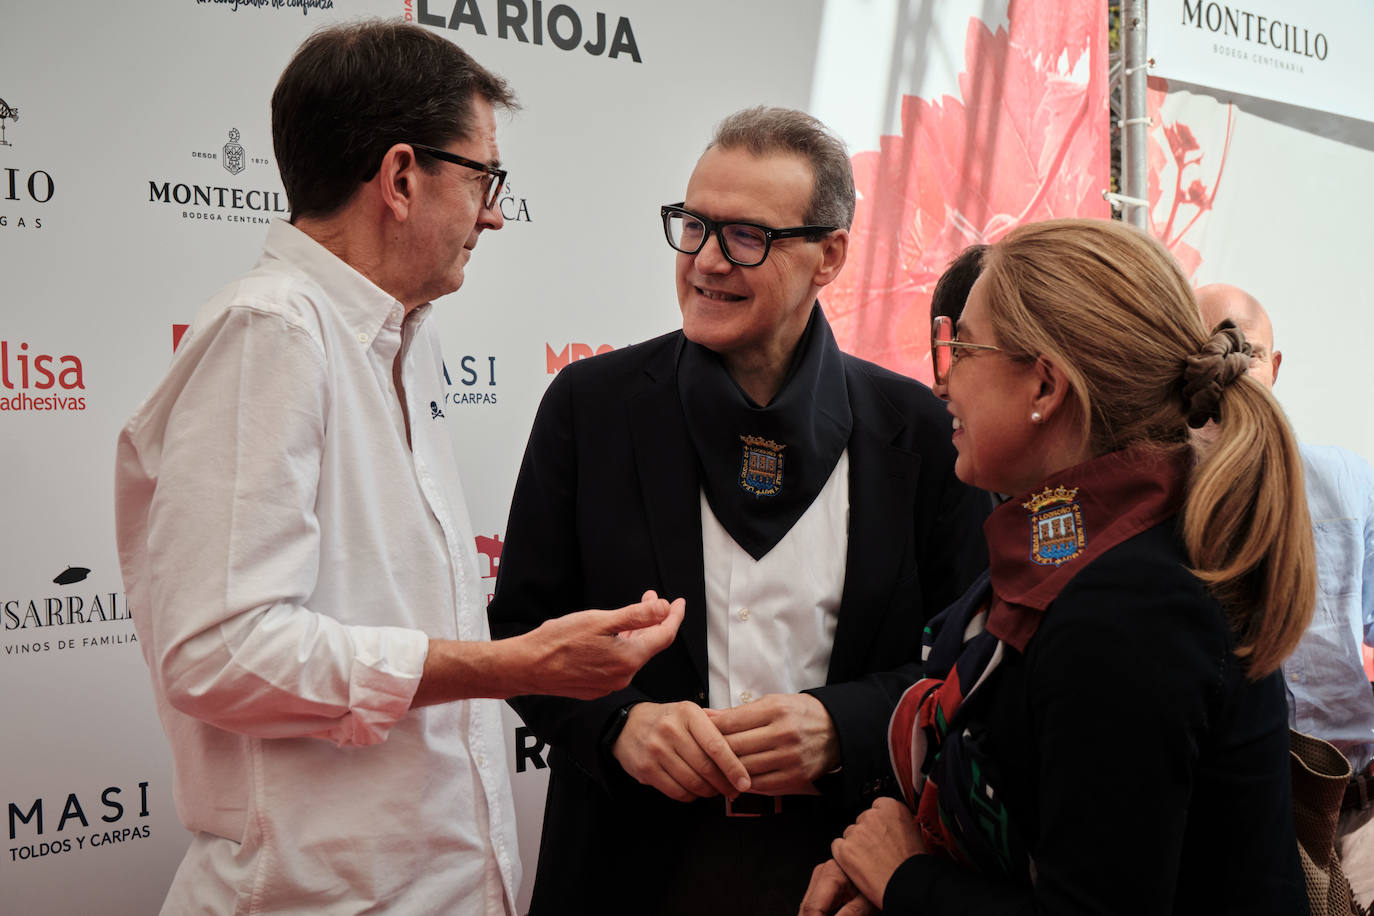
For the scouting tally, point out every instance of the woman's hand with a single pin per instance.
(832, 894)
(872, 847)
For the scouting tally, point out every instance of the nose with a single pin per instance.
(491, 217)
(710, 259)
(940, 390)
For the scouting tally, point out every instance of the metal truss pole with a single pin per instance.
(1135, 123)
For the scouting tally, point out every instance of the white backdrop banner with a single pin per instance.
(1312, 53)
(137, 177)
(1274, 199)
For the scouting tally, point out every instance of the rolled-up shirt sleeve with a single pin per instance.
(233, 550)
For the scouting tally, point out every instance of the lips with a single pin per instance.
(717, 295)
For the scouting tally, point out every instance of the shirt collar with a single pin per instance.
(1039, 541)
(365, 307)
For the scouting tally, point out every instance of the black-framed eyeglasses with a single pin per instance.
(496, 177)
(743, 244)
(945, 343)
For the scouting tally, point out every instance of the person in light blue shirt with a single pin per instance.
(1329, 692)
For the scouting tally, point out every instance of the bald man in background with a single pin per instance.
(1329, 693)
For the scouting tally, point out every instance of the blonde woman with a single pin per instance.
(1103, 727)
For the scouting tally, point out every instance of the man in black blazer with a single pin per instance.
(804, 503)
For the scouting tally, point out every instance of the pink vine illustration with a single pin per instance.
(1024, 141)
(1187, 155)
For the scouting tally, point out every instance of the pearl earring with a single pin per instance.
(1036, 417)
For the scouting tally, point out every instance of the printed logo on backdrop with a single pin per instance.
(92, 820)
(251, 196)
(474, 383)
(304, 6)
(33, 380)
(489, 561)
(7, 113)
(1258, 39)
(555, 360)
(70, 617)
(529, 749)
(513, 209)
(233, 153)
(25, 189)
(559, 24)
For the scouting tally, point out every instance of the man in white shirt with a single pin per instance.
(293, 535)
(804, 503)
(1329, 692)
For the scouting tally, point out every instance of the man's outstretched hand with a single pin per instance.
(584, 655)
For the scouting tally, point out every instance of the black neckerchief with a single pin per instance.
(761, 467)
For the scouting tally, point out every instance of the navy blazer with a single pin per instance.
(607, 504)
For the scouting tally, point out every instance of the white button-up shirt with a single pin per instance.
(770, 623)
(287, 559)
(1328, 689)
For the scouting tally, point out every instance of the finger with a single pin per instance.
(859, 906)
(824, 891)
(747, 717)
(677, 609)
(632, 618)
(688, 774)
(780, 782)
(648, 596)
(708, 770)
(723, 760)
(759, 742)
(665, 782)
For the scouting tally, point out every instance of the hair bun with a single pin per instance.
(1223, 359)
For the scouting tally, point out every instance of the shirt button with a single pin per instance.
(745, 696)
(481, 760)
(396, 314)
(744, 613)
(363, 338)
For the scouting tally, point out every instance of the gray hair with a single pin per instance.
(764, 131)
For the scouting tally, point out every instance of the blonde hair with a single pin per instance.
(1111, 308)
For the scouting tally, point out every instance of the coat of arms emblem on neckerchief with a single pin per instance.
(760, 470)
(1057, 534)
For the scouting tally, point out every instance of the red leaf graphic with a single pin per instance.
(1023, 142)
(1189, 204)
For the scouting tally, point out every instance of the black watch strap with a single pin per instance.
(615, 727)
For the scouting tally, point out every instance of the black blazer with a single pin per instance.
(607, 505)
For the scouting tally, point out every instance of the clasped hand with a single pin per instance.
(776, 745)
(865, 858)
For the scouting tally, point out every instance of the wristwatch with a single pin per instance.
(615, 727)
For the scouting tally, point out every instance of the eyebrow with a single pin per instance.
(731, 219)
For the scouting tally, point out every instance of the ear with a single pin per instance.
(834, 249)
(1051, 394)
(396, 180)
(1274, 361)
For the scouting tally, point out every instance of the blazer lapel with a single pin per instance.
(670, 487)
(882, 485)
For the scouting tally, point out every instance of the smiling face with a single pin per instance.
(991, 398)
(753, 317)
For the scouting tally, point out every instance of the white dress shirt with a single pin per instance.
(770, 622)
(287, 558)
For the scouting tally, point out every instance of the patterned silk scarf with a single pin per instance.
(1037, 544)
